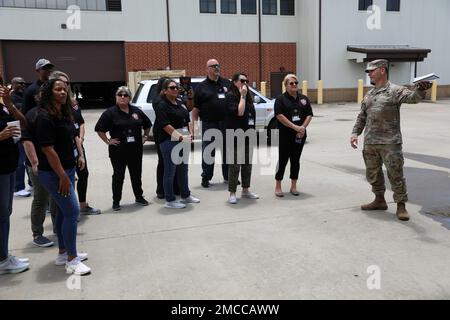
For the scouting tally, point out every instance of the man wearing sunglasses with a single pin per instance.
(43, 68)
(210, 106)
(380, 120)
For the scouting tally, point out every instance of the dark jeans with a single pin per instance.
(208, 169)
(120, 160)
(82, 182)
(171, 169)
(7, 184)
(67, 210)
(39, 206)
(20, 171)
(291, 151)
(160, 175)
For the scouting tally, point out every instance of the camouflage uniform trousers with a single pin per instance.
(391, 155)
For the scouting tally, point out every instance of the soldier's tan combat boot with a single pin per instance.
(402, 213)
(378, 204)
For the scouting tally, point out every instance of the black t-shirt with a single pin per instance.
(209, 99)
(156, 130)
(9, 152)
(30, 96)
(56, 132)
(126, 127)
(232, 120)
(169, 114)
(78, 120)
(295, 110)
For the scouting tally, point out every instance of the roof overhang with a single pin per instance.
(399, 53)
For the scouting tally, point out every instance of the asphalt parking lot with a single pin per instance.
(316, 246)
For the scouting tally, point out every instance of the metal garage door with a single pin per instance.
(84, 61)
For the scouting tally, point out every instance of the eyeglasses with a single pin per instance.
(173, 88)
(295, 83)
(123, 95)
(243, 81)
(215, 66)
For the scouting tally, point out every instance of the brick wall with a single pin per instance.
(233, 57)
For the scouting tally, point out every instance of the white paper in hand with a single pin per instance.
(428, 77)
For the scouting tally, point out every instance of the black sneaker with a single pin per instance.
(42, 242)
(90, 211)
(116, 206)
(205, 183)
(160, 196)
(142, 202)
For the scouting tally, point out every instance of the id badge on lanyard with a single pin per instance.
(130, 137)
(251, 120)
(296, 117)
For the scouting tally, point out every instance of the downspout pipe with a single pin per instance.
(169, 41)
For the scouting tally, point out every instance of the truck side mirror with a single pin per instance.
(257, 99)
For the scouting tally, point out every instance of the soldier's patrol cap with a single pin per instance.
(375, 64)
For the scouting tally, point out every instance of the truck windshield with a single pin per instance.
(138, 92)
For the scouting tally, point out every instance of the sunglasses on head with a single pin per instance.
(243, 81)
(293, 83)
(123, 95)
(173, 88)
(215, 66)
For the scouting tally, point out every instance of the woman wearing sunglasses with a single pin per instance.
(294, 113)
(240, 119)
(125, 124)
(172, 119)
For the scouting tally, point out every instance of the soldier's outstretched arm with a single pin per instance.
(405, 95)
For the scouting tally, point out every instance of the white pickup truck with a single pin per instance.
(147, 90)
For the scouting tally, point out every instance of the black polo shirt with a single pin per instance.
(232, 120)
(9, 152)
(18, 100)
(176, 115)
(58, 133)
(30, 96)
(209, 99)
(295, 110)
(78, 120)
(126, 127)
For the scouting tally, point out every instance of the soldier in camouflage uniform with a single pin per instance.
(380, 117)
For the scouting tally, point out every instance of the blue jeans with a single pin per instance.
(7, 183)
(208, 169)
(20, 171)
(170, 169)
(68, 210)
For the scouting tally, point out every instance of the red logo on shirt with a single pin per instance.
(304, 102)
(135, 116)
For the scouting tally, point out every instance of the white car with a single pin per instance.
(147, 90)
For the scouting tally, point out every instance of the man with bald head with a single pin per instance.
(18, 87)
(210, 106)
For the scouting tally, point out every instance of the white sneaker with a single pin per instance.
(232, 199)
(22, 193)
(190, 199)
(29, 189)
(250, 195)
(61, 259)
(77, 267)
(175, 205)
(12, 266)
(21, 260)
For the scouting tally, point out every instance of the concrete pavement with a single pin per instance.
(316, 246)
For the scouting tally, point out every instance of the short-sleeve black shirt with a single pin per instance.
(29, 132)
(78, 120)
(209, 99)
(233, 121)
(56, 132)
(169, 114)
(9, 152)
(126, 127)
(295, 110)
(30, 96)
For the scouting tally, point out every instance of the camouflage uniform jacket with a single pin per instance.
(380, 113)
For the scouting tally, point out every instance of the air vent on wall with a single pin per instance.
(114, 5)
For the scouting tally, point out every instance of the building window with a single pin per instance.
(208, 6)
(269, 7)
(91, 5)
(393, 5)
(287, 7)
(248, 6)
(228, 6)
(364, 4)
